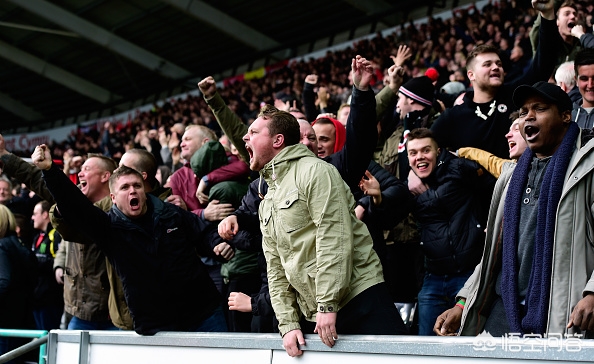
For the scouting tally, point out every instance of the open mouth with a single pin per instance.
(134, 203)
(250, 151)
(422, 166)
(531, 132)
(511, 145)
(495, 75)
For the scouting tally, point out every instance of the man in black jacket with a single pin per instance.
(483, 118)
(452, 215)
(153, 247)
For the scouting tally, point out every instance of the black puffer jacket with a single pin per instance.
(452, 214)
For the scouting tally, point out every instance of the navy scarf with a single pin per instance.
(537, 297)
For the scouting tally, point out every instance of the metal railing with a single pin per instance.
(40, 342)
(125, 347)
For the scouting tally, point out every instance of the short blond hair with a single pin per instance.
(7, 221)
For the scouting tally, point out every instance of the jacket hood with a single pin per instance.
(339, 133)
(277, 167)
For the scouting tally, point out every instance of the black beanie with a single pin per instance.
(419, 89)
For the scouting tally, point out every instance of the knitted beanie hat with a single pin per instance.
(419, 89)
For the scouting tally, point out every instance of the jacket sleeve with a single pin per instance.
(69, 231)
(545, 57)
(477, 177)
(233, 127)
(75, 208)
(361, 138)
(261, 305)
(247, 213)
(282, 294)
(385, 101)
(60, 258)
(245, 240)
(308, 97)
(207, 238)
(235, 170)
(202, 233)
(587, 40)
(396, 200)
(28, 174)
(178, 182)
(470, 282)
(490, 162)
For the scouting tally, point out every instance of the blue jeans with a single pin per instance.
(438, 295)
(48, 318)
(214, 323)
(80, 324)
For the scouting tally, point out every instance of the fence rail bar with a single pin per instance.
(24, 349)
(548, 349)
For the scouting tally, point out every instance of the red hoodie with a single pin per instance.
(340, 133)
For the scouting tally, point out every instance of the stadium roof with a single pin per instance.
(63, 61)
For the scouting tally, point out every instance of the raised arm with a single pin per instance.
(308, 97)
(489, 161)
(230, 123)
(361, 128)
(545, 56)
(28, 174)
(586, 39)
(72, 204)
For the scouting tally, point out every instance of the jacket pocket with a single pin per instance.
(293, 212)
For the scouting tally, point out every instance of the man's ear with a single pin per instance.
(279, 140)
(470, 74)
(144, 175)
(112, 198)
(566, 116)
(105, 177)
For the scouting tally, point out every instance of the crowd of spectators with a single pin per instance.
(440, 44)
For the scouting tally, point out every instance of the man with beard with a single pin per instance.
(483, 118)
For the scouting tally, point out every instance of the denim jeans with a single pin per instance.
(438, 295)
(80, 324)
(48, 318)
(214, 323)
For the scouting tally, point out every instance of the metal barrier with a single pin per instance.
(90, 347)
(40, 342)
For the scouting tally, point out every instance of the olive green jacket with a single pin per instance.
(319, 255)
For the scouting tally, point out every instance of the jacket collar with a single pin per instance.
(277, 168)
